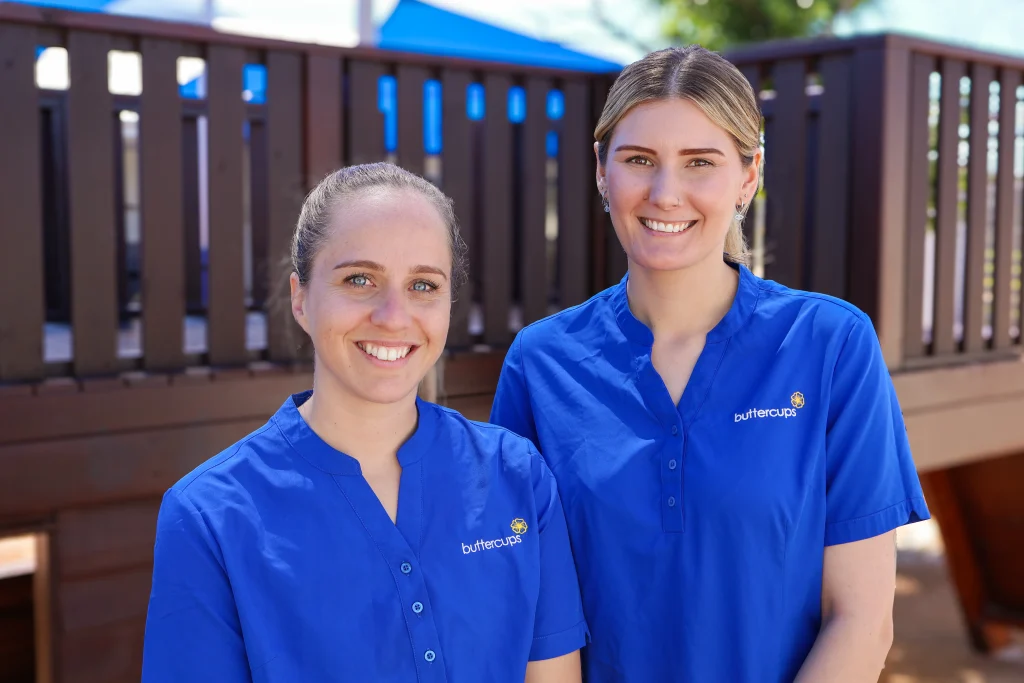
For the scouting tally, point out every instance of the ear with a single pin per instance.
(298, 294)
(752, 178)
(600, 176)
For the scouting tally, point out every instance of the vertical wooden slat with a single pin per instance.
(575, 177)
(458, 182)
(410, 117)
(21, 220)
(259, 216)
(946, 205)
(785, 174)
(226, 309)
(190, 207)
(44, 588)
(324, 117)
(163, 241)
(977, 208)
(93, 222)
(284, 195)
(831, 201)
(917, 204)
(615, 261)
(365, 121)
(533, 280)
(600, 245)
(752, 72)
(496, 240)
(877, 257)
(1009, 82)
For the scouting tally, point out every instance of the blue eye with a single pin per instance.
(359, 280)
(423, 286)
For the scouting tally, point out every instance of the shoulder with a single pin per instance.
(227, 475)
(821, 315)
(571, 325)
(482, 444)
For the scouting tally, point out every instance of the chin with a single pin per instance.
(386, 395)
(668, 262)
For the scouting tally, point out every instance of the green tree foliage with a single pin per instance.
(720, 24)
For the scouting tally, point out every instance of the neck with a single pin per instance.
(685, 303)
(369, 432)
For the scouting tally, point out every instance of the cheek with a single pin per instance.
(333, 315)
(435, 320)
(626, 188)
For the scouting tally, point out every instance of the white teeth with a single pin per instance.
(658, 226)
(385, 353)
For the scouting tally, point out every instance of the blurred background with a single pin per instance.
(154, 155)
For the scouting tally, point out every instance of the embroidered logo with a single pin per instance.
(519, 528)
(796, 400)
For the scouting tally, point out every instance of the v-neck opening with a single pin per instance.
(348, 475)
(641, 339)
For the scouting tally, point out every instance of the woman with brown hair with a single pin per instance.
(363, 534)
(730, 452)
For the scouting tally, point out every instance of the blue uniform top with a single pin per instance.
(275, 561)
(699, 528)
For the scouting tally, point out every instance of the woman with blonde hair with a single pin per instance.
(730, 452)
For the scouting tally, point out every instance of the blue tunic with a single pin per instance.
(275, 561)
(699, 528)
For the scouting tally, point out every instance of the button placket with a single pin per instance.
(671, 480)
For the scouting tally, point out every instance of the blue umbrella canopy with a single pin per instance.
(419, 27)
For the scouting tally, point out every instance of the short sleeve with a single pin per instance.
(872, 485)
(192, 628)
(511, 407)
(559, 627)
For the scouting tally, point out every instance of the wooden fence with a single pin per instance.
(210, 188)
(893, 180)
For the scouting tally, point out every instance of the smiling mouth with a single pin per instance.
(388, 354)
(660, 226)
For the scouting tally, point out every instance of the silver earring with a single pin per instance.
(739, 213)
(604, 203)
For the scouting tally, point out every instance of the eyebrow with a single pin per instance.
(683, 152)
(373, 265)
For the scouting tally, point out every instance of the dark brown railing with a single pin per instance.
(145, 232)
(894, 179)
(105, 197)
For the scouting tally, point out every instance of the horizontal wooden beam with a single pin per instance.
(122, 408)
(43, 477)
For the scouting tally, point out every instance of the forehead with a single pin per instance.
(671, 122)
(382, 224)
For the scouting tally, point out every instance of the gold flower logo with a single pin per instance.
(519, 526)
(797, 399)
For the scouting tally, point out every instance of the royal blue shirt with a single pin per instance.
(275, 561)
(699, 529)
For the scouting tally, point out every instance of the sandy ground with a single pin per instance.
(931, 644)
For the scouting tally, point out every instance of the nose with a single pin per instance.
(666, 190)
(391, 311)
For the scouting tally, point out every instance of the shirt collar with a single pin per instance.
(742, 306)
(326, 458)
